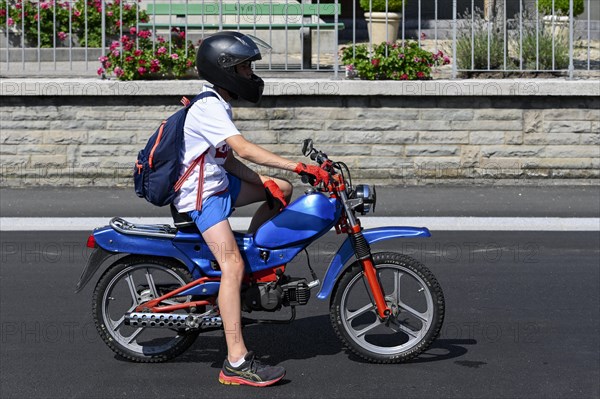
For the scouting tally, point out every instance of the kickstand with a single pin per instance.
(246, 321)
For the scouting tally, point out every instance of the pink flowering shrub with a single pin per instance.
(120, 17)
(391, 61)
(46, 22)
(128, 60)
(54, 21)
(7, 17)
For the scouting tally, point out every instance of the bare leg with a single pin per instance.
(222, 243)
(251, 193)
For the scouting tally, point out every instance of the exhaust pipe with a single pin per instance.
(172, 320)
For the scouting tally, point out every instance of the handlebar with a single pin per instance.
(319, 157)
(323, 161)
(359, 198)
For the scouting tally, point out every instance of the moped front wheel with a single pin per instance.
(128, 283)
(414, 297)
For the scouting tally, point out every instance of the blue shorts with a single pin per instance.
(218, 207)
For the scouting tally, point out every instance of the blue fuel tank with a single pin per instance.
(305, 219)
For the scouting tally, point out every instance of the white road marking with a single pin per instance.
(241, 223)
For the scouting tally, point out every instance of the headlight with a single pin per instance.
(368, 197)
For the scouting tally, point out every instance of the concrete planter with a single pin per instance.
(190, 73)
(557, 24)
(383, 26)
(15, 36)
(14, 39)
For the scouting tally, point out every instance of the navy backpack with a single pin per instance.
(156, 173)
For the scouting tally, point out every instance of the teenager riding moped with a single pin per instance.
(159, 290)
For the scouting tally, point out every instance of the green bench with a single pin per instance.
(248, 16)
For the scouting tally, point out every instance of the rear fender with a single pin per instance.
(96, 259)
(345, 252)
(113, 241)
(110, 242)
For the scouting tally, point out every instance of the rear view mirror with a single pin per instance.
(307, 147)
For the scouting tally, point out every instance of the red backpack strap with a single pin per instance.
(200, 185)
(186, 175)
(188, 172)
(160, 134)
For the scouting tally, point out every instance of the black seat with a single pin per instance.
(181, 220)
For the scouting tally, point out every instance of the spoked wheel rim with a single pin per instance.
(411, 303)
(127, 290)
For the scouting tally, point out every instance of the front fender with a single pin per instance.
(345, 252)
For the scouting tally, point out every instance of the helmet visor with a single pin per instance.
(263, 46)
(243, 50)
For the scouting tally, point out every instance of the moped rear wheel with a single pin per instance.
(414, 297)
(128, 283)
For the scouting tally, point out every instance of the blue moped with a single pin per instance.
(151, 303)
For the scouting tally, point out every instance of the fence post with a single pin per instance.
(520, 35)
(571, 66)
(305, 35)
(454, 66)
(103, 17)
(336, 39)
(589, 54)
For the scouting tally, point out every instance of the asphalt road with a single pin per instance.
(521, 307)
(433, 200)
(522, 320)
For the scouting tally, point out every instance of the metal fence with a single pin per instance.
(88, 37)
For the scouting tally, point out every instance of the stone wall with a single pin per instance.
(81, 139)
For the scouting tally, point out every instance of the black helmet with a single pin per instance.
(216, 60)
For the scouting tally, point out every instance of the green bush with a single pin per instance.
(472, 46)
(391, 61)
(479, 59)
(561, 7)
(537, 50)
(379, 5)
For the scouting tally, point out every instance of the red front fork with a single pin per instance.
(369, 269)
(362, 250)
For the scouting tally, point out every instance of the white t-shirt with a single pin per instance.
(207, 125)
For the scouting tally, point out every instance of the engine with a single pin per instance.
(272, 296)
